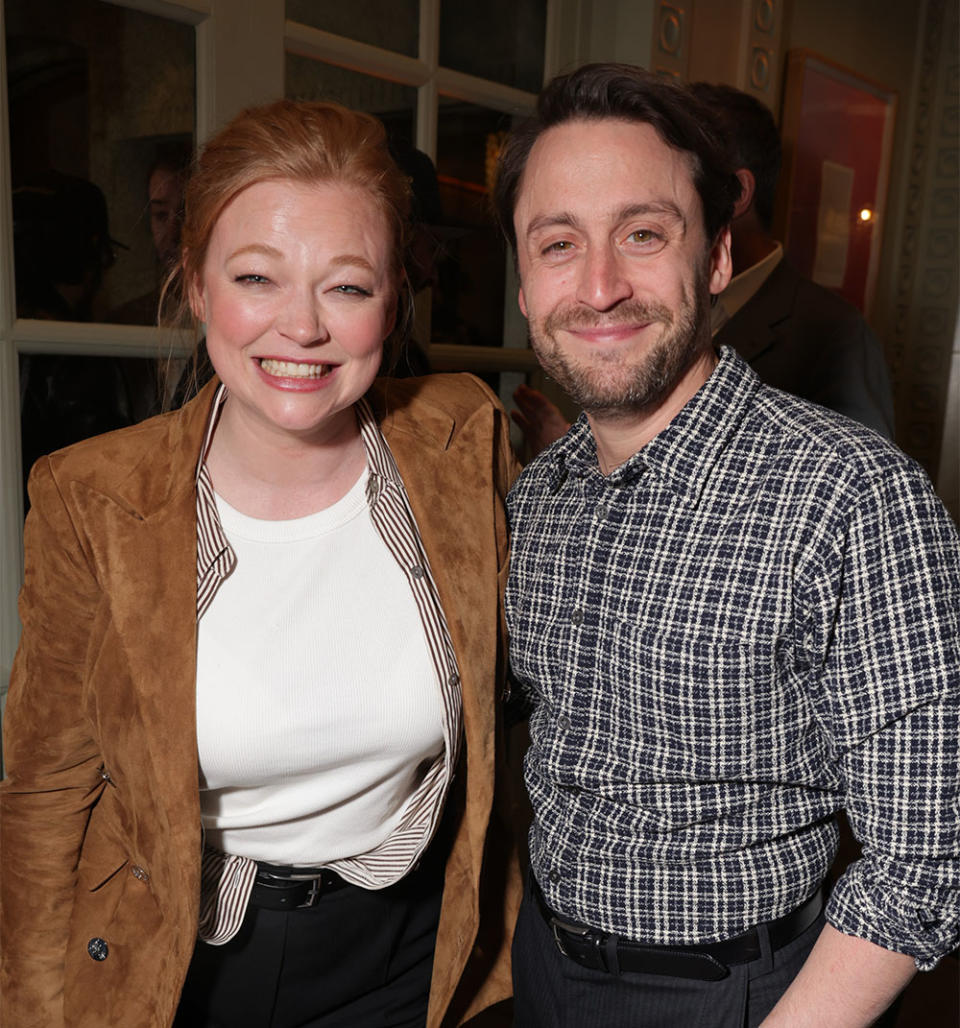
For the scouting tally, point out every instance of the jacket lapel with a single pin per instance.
(450, 494)
(759, 323)
(145, 540)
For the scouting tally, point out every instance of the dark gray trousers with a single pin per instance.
(552, 991)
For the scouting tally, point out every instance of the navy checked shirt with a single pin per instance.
(753, 622)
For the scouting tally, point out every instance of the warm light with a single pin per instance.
(866, 214)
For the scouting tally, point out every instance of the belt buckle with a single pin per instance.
(592, 956)
(313, 896)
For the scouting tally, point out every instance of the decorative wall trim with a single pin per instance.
(672, 24)
(920, 344)
(761, 50)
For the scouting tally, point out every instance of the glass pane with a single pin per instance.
(101, 120)
(393, 104)
(390, 24)
(469, 280)
(501, 40)
(69, 398)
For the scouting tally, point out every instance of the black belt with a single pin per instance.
(290, 888)
(709, 962)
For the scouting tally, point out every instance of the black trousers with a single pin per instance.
(552, 991)
(360, 957)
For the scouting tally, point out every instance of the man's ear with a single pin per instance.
(721, 263)
(748, 187)
(523, 303)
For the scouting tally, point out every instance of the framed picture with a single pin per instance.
(837, 130)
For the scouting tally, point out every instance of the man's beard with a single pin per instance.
(610, 382)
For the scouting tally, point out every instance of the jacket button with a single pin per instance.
(98, 949)
(139, 873)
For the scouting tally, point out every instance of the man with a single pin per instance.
(795, 334)
(732, 612)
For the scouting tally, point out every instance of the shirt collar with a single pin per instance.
(685, 451)
(742, 288)
(382, 466)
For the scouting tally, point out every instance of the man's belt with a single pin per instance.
(603, 951)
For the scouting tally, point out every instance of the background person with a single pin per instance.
(252, 660)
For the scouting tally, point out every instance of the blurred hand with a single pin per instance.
(540, 420)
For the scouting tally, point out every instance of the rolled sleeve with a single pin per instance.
(890, 703)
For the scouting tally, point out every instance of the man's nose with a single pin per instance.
(604, 281)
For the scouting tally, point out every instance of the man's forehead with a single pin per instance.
(611, 161)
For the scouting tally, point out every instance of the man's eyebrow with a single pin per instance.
(570, 220)
(552, 220)
(667, 207)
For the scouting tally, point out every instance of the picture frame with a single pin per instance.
(837, 130)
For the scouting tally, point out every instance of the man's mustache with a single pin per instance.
(630, 312)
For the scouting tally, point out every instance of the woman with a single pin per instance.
(260, 635)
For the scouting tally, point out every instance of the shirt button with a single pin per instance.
(555, 877)
(602, 511)
(563, 723)
(139, 873)
(576, 616)
(453, 681)
(417, 571)
(98, 949)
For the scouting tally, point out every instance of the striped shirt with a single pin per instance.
(750, 624)
(227, 880)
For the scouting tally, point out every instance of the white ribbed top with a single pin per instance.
(318, 710)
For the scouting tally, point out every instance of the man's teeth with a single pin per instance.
(290, 369)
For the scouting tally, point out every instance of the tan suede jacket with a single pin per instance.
(100, 809)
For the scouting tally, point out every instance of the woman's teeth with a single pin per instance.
(291, 369)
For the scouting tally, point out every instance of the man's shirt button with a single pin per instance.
(576, 616)
(563, 723)
(98, 949)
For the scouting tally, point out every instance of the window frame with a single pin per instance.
(240, 51)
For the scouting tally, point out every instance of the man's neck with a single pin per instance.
(619, 434)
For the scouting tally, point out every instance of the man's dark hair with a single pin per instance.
(752, 139)
(627, 93)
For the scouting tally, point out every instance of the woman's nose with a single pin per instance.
(302, 320)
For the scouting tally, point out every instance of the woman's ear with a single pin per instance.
(198, 307)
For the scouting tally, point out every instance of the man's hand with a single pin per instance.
(846, 982)
(540, 420)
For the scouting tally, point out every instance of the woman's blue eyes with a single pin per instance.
(346, 289)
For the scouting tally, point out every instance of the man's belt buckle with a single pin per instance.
(590, 954)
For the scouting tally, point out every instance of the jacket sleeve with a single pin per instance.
(53, 766)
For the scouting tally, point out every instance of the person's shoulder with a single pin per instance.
(459, 395)
(109, 459)
(838, 445)
(815, 304)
